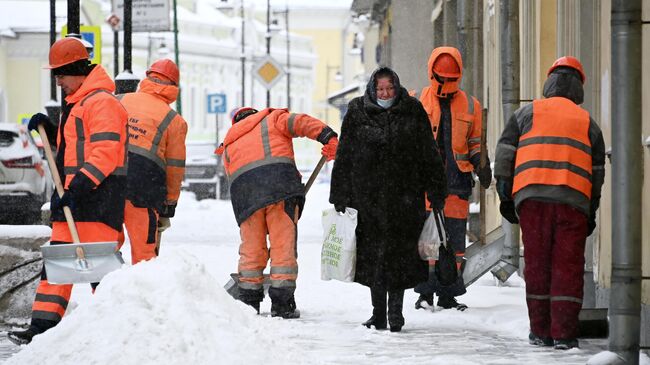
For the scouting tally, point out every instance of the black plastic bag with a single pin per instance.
(446, 266)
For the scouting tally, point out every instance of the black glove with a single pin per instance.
(508, 211)
(58, 203)
(591, 224)
(80, 185)
(167, 210)
(437, 202)
(339, 208)
(485, 176)
(504, 189)
(36, 120)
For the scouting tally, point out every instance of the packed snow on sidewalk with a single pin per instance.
(174, 310)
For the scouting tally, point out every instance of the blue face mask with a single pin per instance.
(386, 103)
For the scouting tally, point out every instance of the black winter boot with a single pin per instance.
(23, 337)
(378, 319)
(380, 323)
(565, 344)
(428, 299)
(395, 304)
(448, 302)
(533, 339)
(283, 303)
(252, 297)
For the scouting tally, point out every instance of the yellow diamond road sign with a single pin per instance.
(268, 72)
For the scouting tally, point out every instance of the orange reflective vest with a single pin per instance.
(259, 159)
(156, 144)
(94, 143)
(466, 121)
(557, 149)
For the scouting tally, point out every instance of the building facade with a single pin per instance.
(209, 47)
(547, 30)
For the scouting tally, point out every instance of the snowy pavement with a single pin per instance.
(173, 310)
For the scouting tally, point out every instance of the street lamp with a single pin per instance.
(161, 52)
(285, 12)
(242, 57)
(268, 45)
(337, 77)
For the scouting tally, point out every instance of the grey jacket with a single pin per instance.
(565, 85)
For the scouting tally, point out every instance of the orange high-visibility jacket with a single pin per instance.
(156, 144)
(466, 116)
(557, 148)
(259, 159)
(94, 143)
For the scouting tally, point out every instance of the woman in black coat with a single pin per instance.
(386, 160)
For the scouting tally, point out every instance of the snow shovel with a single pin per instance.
(232, 286)
(77, 262)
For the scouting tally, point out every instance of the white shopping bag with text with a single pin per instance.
(433, 235)
(339, 252)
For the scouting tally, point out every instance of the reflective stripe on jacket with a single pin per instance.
(557, 149)
(465, 126)
(259, 158)
(94, 133)
(156, 145)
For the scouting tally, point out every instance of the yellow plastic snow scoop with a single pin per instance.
(77, 262)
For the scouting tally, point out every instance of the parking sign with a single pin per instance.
(216, 103)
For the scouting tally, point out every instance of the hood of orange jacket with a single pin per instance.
(449, 87)
(167, 92)
(96, 79)
(247, 124)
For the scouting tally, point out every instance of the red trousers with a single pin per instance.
(554, 236)
(52, 300)
(142, 226)
(275, 221)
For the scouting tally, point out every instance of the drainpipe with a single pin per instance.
(470, 36)
(509, 26)
(469, 14)
(450, 30)
(627, 177)
(463, 15)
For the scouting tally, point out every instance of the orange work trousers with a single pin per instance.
(281, 227)
(51, 299)
(142, 226)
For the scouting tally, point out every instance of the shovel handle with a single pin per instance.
(57, 183)
(314, 174)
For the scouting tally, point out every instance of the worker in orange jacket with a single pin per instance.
(156, 158)
(267, 197)
(550, 169)
(91, 160)
(456, 121)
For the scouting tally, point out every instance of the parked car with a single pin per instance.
(25, 180)
(204, 172)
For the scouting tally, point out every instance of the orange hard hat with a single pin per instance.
(568, 61)
(446, 66)
(66, 51)
(167, 68)
(242, 113)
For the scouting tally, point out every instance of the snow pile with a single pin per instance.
(13, 231)
(166, 311)
(608, 358)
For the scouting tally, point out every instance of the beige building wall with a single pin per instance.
(491, 99)
(326, 28)
(21, 99)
